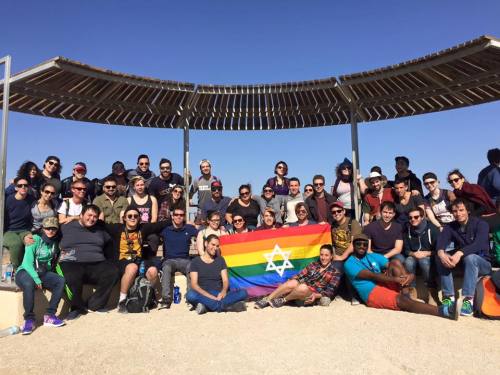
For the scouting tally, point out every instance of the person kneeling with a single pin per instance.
(210, 283)
(383, 290)
(319, 280)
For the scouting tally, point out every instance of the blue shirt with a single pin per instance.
(17, 213)
(353, 266)
(176, 241)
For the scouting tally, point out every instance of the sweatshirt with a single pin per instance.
(40, 251)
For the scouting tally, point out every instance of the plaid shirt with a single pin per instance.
(325, 282)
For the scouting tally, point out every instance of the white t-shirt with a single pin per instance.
(74, 208)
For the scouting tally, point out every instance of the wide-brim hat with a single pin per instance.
(375, 175)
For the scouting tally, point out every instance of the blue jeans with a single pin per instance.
(425, 266)
(231, 298)
(50, 280)
(474, 266)
(399, 257)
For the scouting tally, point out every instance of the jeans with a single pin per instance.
(50, 280)
(231, 298)
(399, 257)
(169, 267)
(425, 266)
(474, 266)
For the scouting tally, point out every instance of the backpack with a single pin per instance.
(487, 299)
(141, 296)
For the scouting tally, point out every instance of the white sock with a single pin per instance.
(123, 297)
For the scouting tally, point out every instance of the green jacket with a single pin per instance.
(40, 251)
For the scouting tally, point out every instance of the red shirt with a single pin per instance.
(374, 202)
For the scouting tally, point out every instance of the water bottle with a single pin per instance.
(177, 294)
(142, 269)
(14, 330)
(8, 273)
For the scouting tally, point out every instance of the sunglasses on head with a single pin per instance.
(22, 185)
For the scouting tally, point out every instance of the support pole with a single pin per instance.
(186, 164)
(355, 161)
(3, 155)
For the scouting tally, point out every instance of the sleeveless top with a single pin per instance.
(343, 192)
(38, 216)
(144, 209)
(440, 207)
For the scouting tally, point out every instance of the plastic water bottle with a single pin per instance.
(142, 269)
(14, 330)
(8, 273)
(177, 294)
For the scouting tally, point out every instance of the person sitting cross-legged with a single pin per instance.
(383, 290)
(318, 281)
(210, 283)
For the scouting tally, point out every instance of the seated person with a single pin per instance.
(83, 260)
(130, 247)
(302, 214)
(472, 246)
(217, 203)
(36, 273)
(385, 234)
(210, 283)
(239, 224)
(214, 227)
(405, 201)
(176, 243)
(419, 245)
(318, 281)
(343, 230)
(110, 202)
(268, 199)
(71, 208)
(382, 290)
(269, 220)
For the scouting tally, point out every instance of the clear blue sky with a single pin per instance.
(230, 42)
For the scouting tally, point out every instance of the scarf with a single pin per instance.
(146, 175)
(49, 240)
(418, 230)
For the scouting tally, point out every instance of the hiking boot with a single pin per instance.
(261, 303)
(28, 327)
(467, 307)
(277, 302)
(52, 321)
(325, 301)
(201, 309)
(122, 307)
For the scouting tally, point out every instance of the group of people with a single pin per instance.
(64, 233)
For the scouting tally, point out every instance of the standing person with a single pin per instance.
(489, 177)
(376, 193)
(71, 208)
(343, 187)
(294, 196)
(438, 201)
(279, 183)
(17, 220)
(419, 247)
(269, 220)
(36, 273)
(142, 170)
(319, 202)
(51, 172)
(118, 172)
(203, 184)
(343, 229)
(472, 249)
(79, 174)
(302, 214)
(383, 290)
(111, 204)
(405, 201)
(176, 243)
(268, 199)
(246, 206)
(83, 259)
(308, 191)
(412, 181)
(480, 202)
(161, 187)
(385, 235)
(210, 282)
(217, 203)
(44, 206)
(214, 227)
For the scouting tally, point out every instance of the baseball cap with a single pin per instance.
(337, 204)
(80, 166)
(50, 222)
(216, 184)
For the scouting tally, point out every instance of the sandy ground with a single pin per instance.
(290, 340)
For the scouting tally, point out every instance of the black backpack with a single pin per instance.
(141, 296)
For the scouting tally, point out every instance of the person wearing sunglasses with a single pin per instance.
(419, 248)
(44, 207)
(176, 244)
(268, 199)
(308, 191)
(302, 214)
(111, 204)
(36, 272)
(18, 220)
(142, 170)
(404, 201)
(319, 202)
(202, 185)
(119, 173)
(269, 220)
(438, 201)
(246, 206)
(51, 172)
(382, 284)
(239, 224)
(343, 188)
(30, 172)
(217, 203)
(175, 199)
(343, 229)
(479, 201)
(79, 174)
(214, 226)
(71, 208)
(162, 186)
(130, 248)
(279, 183)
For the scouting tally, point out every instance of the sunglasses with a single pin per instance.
(429, 182)
(143, 163)
(308, 190)
(132, 216)
(319, 184)
(244, 193)
(54, 163)
(178, 215)
(80, 170)
(237, 221)
(22, 185)
(165, 168)
(52, 229)
(216, 189)
(49, 192)
(111, 187)
(301, 212)
(177, 191)
(454, 180)
(335, 212)
(361, 243)
(414, 217)
(268, 190)
(215, 221)
(281, 167)
(80, 188)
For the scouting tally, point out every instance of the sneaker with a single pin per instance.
(104, 310)
(29, 326)
(447, 301)
(236, 307)
(449, 311)
(164, 304)
(75, 314)
(122, 308)
(467, 308)
(52, 321)
(325, 301)
(277, 302)
(355, 301)
(201, 309)
(261, 303)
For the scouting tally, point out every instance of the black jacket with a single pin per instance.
(313, 210)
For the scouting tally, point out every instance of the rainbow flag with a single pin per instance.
(260, 261)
